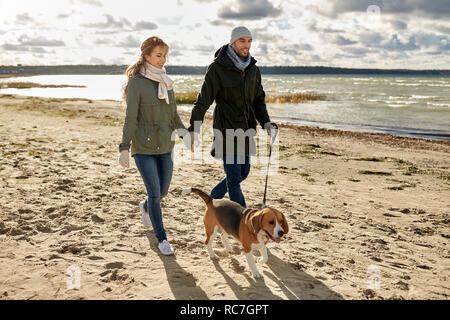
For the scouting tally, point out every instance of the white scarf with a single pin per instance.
(159, 75)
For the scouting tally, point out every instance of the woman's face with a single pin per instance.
(158, 57)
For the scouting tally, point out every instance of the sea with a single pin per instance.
(411, 106)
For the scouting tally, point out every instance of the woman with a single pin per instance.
(150, 119)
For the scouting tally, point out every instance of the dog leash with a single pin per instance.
(272, 140)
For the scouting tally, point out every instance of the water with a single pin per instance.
(400, 105)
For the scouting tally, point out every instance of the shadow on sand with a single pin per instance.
(294, 284)
(182, 283)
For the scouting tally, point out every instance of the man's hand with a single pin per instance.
(271, 128)
(124, 158)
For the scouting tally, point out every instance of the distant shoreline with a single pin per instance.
(192, 70)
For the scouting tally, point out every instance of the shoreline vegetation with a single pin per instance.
(180, 98)
(192, 70)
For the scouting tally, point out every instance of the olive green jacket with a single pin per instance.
(239, 97)
(149, 121)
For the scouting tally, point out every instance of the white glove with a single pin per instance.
(124, 158)
(270, 129)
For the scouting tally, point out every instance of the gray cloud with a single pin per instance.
(143, 25)
(435, 8)
(221, 23)
(394, 44)
(398, 25)
(249, 10)
(295, 49)
(130, 42)
(95, 60)
(356, 51)
(40, 41)
(110, 23)
(24, 18)
(104, 42)
(342, 41)
(170, 20)
(312, 26)
(22, 48)
(205, 48)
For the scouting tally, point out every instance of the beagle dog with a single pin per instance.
(252, 228)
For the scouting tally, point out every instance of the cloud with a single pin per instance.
(249, 10)
(22, 48)
(170, 20)
(395, 44)
(129, 42)
(398, 25)
(205, 48)
(143, 25)
(40, 41)
(441, 28)
(95, 60)
(217, 22)
(435, 8)
(110, 23)
(24, 18)
(342, 41)
(312, 26)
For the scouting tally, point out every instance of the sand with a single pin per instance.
(368, 215)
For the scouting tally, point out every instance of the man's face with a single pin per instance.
(242, 46)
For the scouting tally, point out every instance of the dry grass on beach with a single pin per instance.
(360, 207)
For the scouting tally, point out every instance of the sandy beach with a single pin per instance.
(369, 214)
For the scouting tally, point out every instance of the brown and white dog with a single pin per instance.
(252, 228)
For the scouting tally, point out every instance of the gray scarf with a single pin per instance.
(238, 63)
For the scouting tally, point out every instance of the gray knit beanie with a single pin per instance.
(239, 32)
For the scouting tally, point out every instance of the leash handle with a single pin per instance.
(272, 140)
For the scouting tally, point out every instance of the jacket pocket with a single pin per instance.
(146, 138)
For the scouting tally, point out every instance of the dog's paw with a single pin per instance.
(257, 275)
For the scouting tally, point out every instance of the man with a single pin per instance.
(234, 82)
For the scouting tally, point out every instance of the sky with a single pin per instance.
(387, 34)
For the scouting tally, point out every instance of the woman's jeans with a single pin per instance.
(156, 171)
(235, 174)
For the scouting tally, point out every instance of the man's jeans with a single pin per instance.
(156, 171)
(235, 174)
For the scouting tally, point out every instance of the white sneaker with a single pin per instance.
(145, 217)
(165, 248)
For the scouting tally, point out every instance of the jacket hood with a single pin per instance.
(222, 58)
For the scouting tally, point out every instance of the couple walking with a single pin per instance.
(232, 80)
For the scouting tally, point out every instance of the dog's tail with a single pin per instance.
(204, 196)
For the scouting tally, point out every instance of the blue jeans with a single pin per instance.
(235, 174)
(156, 171)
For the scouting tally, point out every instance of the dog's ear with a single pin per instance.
(254, 219)
(284, 223)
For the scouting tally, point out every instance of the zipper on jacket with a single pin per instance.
(246, 114)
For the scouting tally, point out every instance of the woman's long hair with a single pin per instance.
(147, 48)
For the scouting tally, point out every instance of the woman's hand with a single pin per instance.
(124, 158)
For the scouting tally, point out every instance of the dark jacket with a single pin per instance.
(149, 121)
(239, 96)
